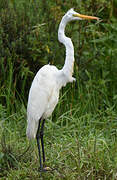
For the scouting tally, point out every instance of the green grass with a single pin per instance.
(77, 146)
(81, 136)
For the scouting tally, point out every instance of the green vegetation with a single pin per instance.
(81, 136)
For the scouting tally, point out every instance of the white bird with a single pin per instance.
(44, 91)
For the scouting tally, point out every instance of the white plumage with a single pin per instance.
(43, 97)
(44, 91)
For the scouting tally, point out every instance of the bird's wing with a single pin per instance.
(39, 95)
(40, 92)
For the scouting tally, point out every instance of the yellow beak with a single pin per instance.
(85, 16)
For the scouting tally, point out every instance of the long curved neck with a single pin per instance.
(69, 60)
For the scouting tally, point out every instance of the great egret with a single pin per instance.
(44, 91)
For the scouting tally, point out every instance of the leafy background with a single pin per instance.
(81, 135)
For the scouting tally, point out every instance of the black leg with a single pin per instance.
(41, 136)
(38, 143)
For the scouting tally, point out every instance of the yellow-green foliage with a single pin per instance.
(81, 136)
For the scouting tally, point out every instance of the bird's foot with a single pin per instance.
(45, 169)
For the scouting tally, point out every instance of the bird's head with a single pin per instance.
(71, 15)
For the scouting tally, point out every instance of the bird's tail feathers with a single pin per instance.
(31, 130)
